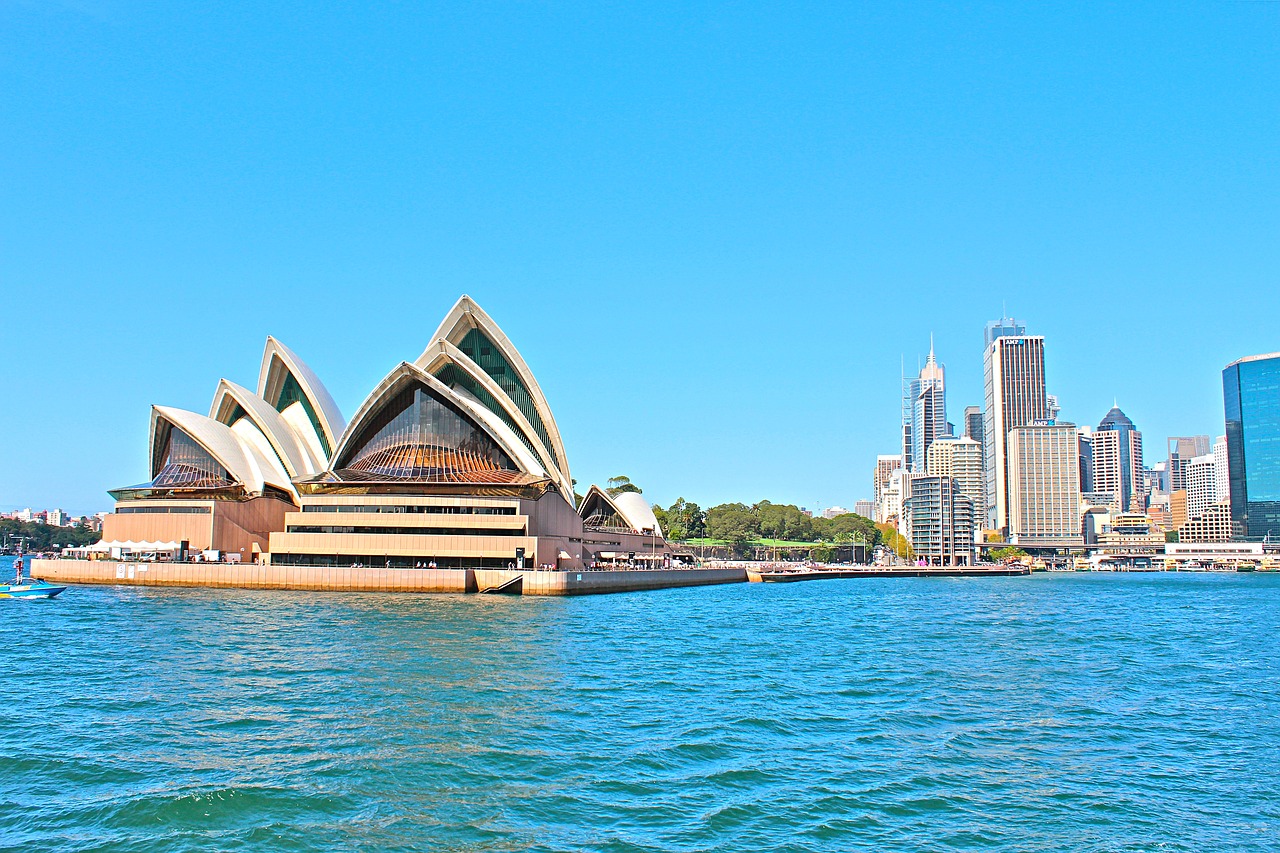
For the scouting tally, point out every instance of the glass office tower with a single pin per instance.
(1251, 398)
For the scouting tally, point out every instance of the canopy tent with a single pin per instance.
(143, 547)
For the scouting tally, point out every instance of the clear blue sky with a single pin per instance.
(714, 233)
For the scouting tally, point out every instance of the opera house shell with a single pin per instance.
(453, 461)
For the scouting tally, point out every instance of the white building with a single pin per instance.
(961, 460)
(885, 466)
(1222, 482)
(833, 511)
(866, 509)
(1013, 371)
(892, 497)
(56, 518)
(1201, 477)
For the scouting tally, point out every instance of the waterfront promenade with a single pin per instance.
(368, 579)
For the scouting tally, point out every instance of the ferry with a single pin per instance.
(28, 587)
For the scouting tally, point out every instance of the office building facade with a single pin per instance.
(1251, 400)
(1013, 374)
(961, 460)
(1044, 484)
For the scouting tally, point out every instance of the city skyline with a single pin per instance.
(751, 219)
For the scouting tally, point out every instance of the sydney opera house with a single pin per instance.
(453, 461)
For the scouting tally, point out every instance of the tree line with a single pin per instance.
(739, 522)
(43, 537)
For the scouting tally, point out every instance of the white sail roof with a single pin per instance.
(243, 461)
(298, 456)
(280, 362)
(508, 371)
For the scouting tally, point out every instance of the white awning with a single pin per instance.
(129, 545)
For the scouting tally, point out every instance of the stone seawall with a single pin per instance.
(229, 576)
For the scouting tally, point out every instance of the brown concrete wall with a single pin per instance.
(247, 524)
(600, 582)
(229, 526)
(371, 580)
(253, 577)
(196, 528)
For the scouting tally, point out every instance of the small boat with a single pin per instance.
(28, 587)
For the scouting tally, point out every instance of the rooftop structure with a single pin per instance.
(453, 460)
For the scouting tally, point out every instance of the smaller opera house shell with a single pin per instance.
(453, 461)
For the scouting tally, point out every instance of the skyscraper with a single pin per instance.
(1222, 483)
(1044, 483)
(961, 460)
(929, 413)
(1013, 372)
(1116, 460)
(1202, 485)
(885, 466)
(1182, 449)
(924, 412)
(1251, 399)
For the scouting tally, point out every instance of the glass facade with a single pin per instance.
(1251, 399)
(373, 530)
(477, 347)
(187, 465)
(418, 436)
(291, 392)
(396, 509)
(456, 379)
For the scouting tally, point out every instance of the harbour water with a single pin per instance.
(1056, 712)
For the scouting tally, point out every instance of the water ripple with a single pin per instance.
(1096, 713)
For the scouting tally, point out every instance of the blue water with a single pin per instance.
(1066, 712)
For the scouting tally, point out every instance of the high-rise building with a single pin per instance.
(961, 460)
(1157, 477)
(1044, 483)
(1112, 462)
(1177, 508)
(941, 527)
(1182, 449)
(885, 466)
(866, 509)
(1013, 371)
(1222, 480)
(973, 429)
(895, 494)
(924, 412)
(55, 518)
(1251, 399)
(1202, 485)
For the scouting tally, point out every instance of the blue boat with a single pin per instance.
(28, 587)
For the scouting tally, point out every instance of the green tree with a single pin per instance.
(857, 527)
(1171, 536)
(732, 522)
(683, 520)
(618, 485)
(784, 521)
(895, 541)
(44, 537)
(1009, 552)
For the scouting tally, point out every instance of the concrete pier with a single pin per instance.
(231, 576)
